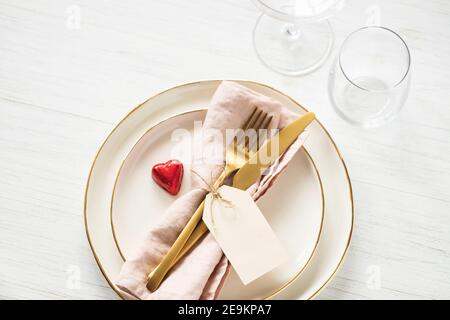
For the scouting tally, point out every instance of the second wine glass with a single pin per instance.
(370, 79)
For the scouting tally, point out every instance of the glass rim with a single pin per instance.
(285, 16)
(384, 29)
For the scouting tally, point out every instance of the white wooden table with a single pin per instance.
(70, 70)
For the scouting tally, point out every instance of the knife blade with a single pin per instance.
(270, 151)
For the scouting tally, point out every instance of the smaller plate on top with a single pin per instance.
(294, 206)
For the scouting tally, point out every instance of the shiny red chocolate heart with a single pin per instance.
(168, 175)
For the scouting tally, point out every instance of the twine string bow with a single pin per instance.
(213, 189)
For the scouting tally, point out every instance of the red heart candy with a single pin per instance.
(168, 175)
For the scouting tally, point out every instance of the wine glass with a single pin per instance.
(370, 79)
(293, 37)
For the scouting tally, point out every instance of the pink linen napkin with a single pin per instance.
(201, 273)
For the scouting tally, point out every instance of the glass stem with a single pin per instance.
(292, 31)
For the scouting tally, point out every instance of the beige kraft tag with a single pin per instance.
(243, 233)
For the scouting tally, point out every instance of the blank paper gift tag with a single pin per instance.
(243, 233)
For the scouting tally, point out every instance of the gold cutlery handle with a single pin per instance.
(196, 235)
(172, 256)
(157, 275)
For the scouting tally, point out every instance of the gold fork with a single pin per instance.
(233, 156)
(236, 155)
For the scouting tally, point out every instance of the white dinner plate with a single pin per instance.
(338, 218)
(294, 205)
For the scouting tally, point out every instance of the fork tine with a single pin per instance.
(265, 135)
(259, 125)
(259, 121)
(254, 125)
(266, 124)
(237, 139)
(248, 124)
(250, 117)
(253, 119)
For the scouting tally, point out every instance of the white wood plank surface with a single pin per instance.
(64, 84)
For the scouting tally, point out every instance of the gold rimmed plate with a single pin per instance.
(294, 206)
(338, 219)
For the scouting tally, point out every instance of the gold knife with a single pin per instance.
(243, 179)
